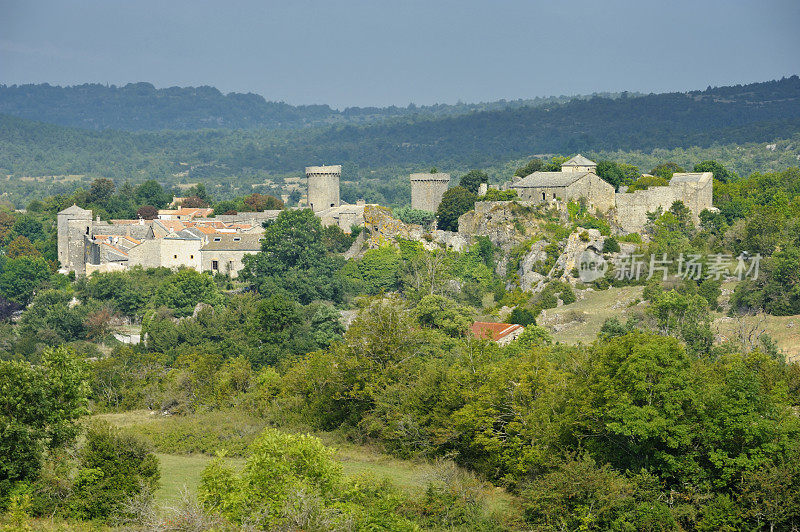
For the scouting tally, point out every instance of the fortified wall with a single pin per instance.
(695, 190)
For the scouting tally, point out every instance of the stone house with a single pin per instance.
(224, 253)
(543, 187)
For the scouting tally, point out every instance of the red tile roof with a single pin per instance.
(493, 331)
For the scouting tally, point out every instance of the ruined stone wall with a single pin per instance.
(696, 196)
(632, 208)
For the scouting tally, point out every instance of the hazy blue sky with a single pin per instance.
(376, 52)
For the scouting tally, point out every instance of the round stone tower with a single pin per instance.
(427, 190)
(323, 186)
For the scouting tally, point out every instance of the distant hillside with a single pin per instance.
(749, 113)
(142, 107)
(761, 112)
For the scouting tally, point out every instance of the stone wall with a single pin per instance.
(167, 252)
(228, 261)
(632, 208)
(597, 192)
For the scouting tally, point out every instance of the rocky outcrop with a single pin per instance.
(529, 279)
(577, 243)
(505, 223)
(384, 228)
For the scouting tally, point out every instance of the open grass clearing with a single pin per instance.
(181, 472)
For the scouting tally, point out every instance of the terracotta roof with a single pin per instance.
(493, 331)
(118, 250)
(175, 225)
(194, 211)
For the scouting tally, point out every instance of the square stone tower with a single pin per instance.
(323, 186)
(73, 225)
(427, 190)
(579, 163)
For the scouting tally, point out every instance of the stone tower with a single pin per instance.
(73, 224)
(323, 186)
(579, 163)
(427, 190)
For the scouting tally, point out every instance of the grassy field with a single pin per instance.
(580, 322)
(182, 472)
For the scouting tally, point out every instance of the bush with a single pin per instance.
(112, 468)
(522, 316)
(610, 245)
(414, 216)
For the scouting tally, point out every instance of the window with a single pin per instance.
(543, 196)
(554, 195)
(217, 239)
(174, 256)
(237, 238)
(331, 204)
(191, 256)
(214, 265)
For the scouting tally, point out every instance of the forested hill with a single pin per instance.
(728, 115)
(739, 114)
(142, 107)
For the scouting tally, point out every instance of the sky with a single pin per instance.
(378, 52)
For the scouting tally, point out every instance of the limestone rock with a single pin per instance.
(532, 281)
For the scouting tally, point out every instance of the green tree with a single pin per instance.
(438, 312)
(39, 408)
(21, 277)
(720, 172)
(641, 405)
(294, 259)
(414, 216)
(665, 170)
(611, 173)
(183, 291)
(151, 193)
(101, 191)
(279, 466)
(112, 468)
(534, 165)
(455, 202)
(473, 179)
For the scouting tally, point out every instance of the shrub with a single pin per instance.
(522, 316)
(414, 216)
(112, 468)
(610, 245)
